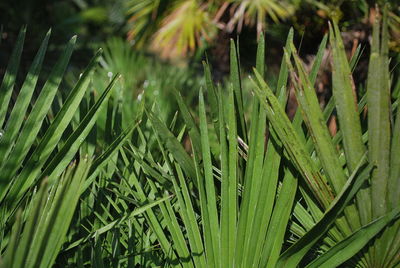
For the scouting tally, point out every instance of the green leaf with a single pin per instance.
(237, 88)
(189, 218)
(292, 256)
(115, 223)
(9, 254)
(32, 168)
(350, 246)
(266, 203)
(173, 145)
(356, 58)
(189, 121)
(60, 214)
(325, 148)
(253, 174)
(212, 96)
(260, 58)
(283, 72)
(345, 100)
(74, 141)
(393, 182)
(30, 225)
(48, 220)
(10, 75)
(229, 193)
(291, 142)
(18, 112)
(312, 114)
(349, 121)
(171, 222)
(35, 119)
(106, 156)
(379, 129)
(318, 60)
(279, 220)
(209, 184)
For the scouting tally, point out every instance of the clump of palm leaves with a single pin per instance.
(38, 141)
(220, 191)
(234, 207)
(177, 28)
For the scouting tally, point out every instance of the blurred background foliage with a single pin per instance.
(182, 32)
(181, 27)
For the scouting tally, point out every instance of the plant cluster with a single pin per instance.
(97, 180)
(179, 27)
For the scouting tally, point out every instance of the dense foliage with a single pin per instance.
(117, 169)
